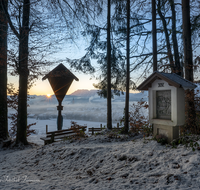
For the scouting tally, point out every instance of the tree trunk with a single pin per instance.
(190, 108)
(126, 125)
(23, 75)
(187, 40)
(169, 52)
(178, 68)
(109, 105)
(3, 73)
(154, 35)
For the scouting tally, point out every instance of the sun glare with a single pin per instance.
(48, 95)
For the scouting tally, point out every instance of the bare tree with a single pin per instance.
(3, 73)
(178, 67)
(171, 61)
(22, 68)
(21, 30)
(154, 35)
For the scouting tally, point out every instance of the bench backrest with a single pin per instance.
(65, 131)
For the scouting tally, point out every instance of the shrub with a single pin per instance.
(75, 127)
(138, 121)
(161, 139)
(12, 102)
(188, 141)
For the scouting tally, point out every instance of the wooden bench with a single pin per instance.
(93, 129)
(59, 135)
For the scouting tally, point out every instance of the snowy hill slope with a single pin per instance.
(101, 163)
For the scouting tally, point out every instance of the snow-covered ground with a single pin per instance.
(97, 162)
(100, 163)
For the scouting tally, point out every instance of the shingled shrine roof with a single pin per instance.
(60, 71)
(172, 79)
(60, 79)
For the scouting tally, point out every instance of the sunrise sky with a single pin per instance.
(72, 51)
(44, 88)
(66, 50)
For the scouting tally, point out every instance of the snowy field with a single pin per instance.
(85, 110)
(100, 163)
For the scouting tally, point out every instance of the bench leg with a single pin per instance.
(52, 137)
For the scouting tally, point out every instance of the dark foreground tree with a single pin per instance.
(3, 73)
(22, 67)
(126, 124)
(23, 75)
(188, 63)
(154, 35)
(109, 103)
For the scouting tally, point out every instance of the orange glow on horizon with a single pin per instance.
(48, 95)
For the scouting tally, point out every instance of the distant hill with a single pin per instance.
(84, 92)
(91, 94)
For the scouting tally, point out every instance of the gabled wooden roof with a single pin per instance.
(60, 71)
(171, 78)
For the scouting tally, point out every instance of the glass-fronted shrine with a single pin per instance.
(163, 104)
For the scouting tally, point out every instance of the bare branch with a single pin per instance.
(9, 20)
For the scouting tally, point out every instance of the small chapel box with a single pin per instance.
(166, 102)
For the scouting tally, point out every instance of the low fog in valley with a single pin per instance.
(80, 105)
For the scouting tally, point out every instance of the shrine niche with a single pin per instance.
(166, 102)
(163, 104)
